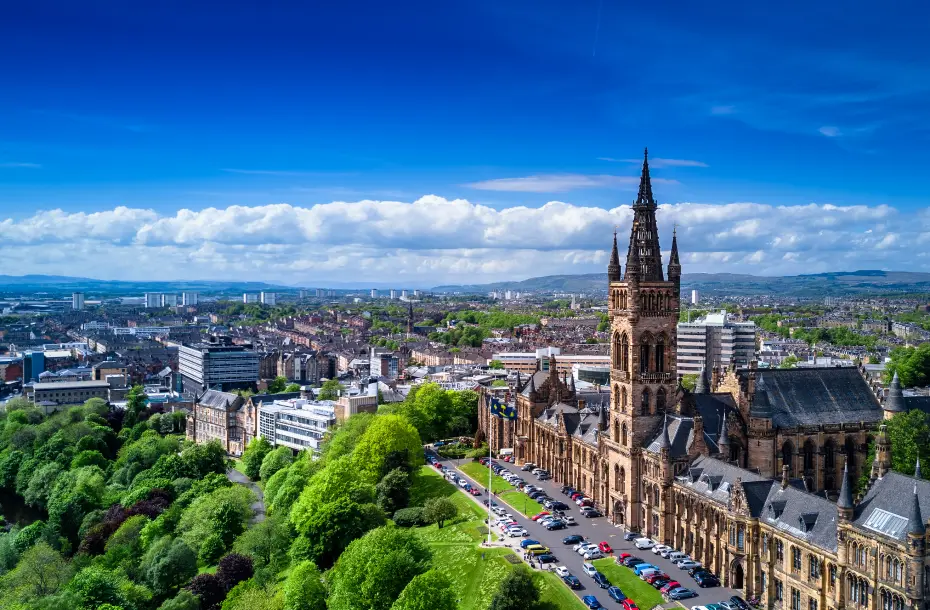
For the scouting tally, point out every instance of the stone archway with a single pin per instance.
(736, 575)
(619, 513)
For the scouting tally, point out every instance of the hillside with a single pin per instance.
(67, 284)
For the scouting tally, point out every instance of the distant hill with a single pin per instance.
(67, 284)
(820, 284)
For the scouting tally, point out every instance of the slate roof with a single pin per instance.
(816, 396)
(538, 378)
(680, 436)
(803, 515)
(711, 406)
(917, 402)
(714, 479)
(581, 425)
(217, 400)
(893, 493)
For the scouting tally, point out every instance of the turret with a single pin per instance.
(882, 462)
(674, 266)
(894, 398)
(723, 441)
(614, 273)
(700, 385)
(915, 522)
(844, 503)
(663, 440)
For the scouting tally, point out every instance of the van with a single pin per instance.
(673, 557)
(528, 466)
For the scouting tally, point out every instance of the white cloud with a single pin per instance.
(659, 162)
(434, 240)
(21, 165)
(830, 131)
(560, 183)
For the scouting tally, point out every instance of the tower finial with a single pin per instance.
(613, 267)
(845, 499)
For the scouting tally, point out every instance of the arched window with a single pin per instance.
(787, 457)
(644, 405)
(625, 352)
(660, 400)
(623, 435)
(660, 356)
(643, 356)
(809, 455)
(622, 478)
(623, 400)
(829, 455)
(616, 348)
(616, 431)
(656, 499)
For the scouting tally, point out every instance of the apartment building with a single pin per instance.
(296, 423)
(717, 341)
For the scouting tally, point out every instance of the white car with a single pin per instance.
(562, 571)
(587, 547)
(589, 569)
(517, 532)
(698, 607)
(689, 564)
(657, 549)
(580, 544)
(643, 543)
(593, 554)
(666, 551)
(568, 520)
(509, 516)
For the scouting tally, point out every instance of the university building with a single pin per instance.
(753, 473)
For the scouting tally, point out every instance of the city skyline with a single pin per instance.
(458, 144)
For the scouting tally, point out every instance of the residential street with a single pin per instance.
(595, 530)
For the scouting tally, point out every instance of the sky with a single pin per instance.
(429, 143)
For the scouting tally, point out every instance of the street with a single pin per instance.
(595, 530)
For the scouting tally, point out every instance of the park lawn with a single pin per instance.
(480, 474)
(521, 502)
(428, 483)
(642, 592)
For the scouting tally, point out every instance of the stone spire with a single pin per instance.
(882, 462)
(723, 441)
(700, 384)
(644, 252)
(894, 397)
(761, 405)
(519, 384)
(845, 500)
(917, 474)
(915, 523)
(571, 386)
(663, 440)
(532, 385)
(674, 266)
(785, 478)
(613, 267)
(602, 422)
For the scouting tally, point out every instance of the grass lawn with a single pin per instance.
(475, 572)
(641, 592)
(522, 502)
(480, 474)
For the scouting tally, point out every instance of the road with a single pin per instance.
(258, 507)
(595, 530)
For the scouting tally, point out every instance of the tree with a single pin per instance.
(249, 595)
(909, 435)
(266, 543)
(168, 565)
(342, 441)
(517, 591)
(496, 365)
(41, 571)
(410, 517)
(386, 434)
(292, 387)
(374, 569)
(233, 569)
(209, 589)
(428, 591)
(89, 458)
(790, 362)
(222, 512)
(135, 404)
(689, 382)
(96, 586)
(332, 526)
(184, 600)
(429, 410)
(275, 461)
(253, 455)
(912, 364)
(277, 385)
(439, 510)
(394, 491)
(330, 390)
(205, 458)
(303, 589)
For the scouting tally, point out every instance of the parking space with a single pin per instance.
(596, 530)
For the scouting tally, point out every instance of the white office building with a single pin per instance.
(248, 297)
(169, 300)
(393, 294)
(269, 298)
(296, 423)
(716, 341)
(77, 301)
(189, 298)
(153, 300)
(374, 293)
(217, 366)
(695, 297)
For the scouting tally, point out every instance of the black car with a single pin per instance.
(629, 536)
(704, 579)
(601, 580)
(566, 489)
(573, 539)
(572, 581)
(632, 561)
(556, 525)
(537, 494)
(700, 570)
(590, 514)
(660, 582)
(560, 505)
(739, 602)
(546, 558)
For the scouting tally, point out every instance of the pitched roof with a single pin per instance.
(714, 479)
(801, 514)
(889, 503)
(814, 396)
(219, 400)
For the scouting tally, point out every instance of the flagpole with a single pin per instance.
(490, 471)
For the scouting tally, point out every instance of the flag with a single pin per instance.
(502, 410)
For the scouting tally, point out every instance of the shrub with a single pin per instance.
(410, 517)
(233, 569)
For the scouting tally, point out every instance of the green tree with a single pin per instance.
(253, 455)
(96, 586)
(689, 382)
(394, 491)
(789, 362)
(909, 435)
(386, 435)
(373, 570)
(303, 589)
(275, 461)
(266, 543)
(439, 510)
(343, 439)
(184, 600)
(292, 387)
(168, 565)
(330, 390)
(41, 483)
(428, 591)
(332, 526)
(124, 547)
(429, 410)
(496, 365)
(277, 385)
(517, 591)
(41, 571)
(89, 458)
(222, 512)
(912, 364)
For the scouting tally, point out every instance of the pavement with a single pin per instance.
(258, 507)
(595, 530)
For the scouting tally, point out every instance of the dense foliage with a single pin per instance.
(912, 365)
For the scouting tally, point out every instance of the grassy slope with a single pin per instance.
(522, 503)
(475, 573)
(641, 592)
(480, 474)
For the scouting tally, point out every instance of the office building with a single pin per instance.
(249, 297)
(296, 423)
(269, 298)
(153, 300)
(217, 365)
(695, 297)
(33, 366)
(190, 299)
(169, 300)
(303, 294)
(69, 392)
(417, 293)
(77, 301)
(393, 294)
(715, 341)
(528, 362)
(403, 294)
(374, 293)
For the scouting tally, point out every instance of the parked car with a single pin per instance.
(632, 560)
(740, 602)
(569, 520)
(562, 571)
(580, 544)
(652, 578)
(657, 549)
(555, 525)
(672, 584)
(643, 543)
(605, 548)
(677, 556)
(517, 532)
(638, 569)
(592, 554)
(572, 581)
(584, 548)
(589, 569)
(539, 516)
(629, 604)
(681, 593)
(546, 558)
(616, 594)
(528, 466)
(591, 602)
(573, 539)
(528, 543)
(566, 489)
(689, 564)
(728, 605)
(537, 549)
(590, 514)
(705, 580)
(601, 580)
(649, 572)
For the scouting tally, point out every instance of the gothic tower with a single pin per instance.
(643, 310)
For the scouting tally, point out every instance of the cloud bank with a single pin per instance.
(435, 241)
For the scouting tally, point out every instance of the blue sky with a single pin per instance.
(119, 116)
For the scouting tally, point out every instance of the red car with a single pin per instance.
(576, 495)
(670, 586)
(654, 577)
(474, 492)
(623, 556)
(438, 465)
(540, 515)
(605, 548)
(628, 604)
